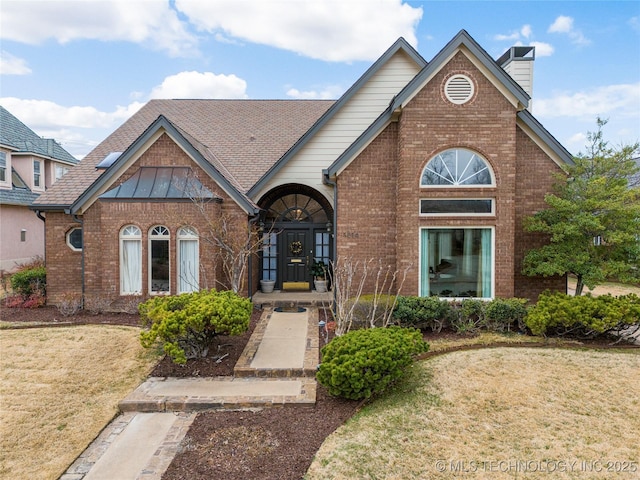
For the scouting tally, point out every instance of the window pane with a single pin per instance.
(443, 207)
(456, 167)
(159, 265)
(456, 262)
(131, 267)
(189, 275)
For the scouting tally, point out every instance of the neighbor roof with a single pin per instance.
(241, 138)
(19, 138)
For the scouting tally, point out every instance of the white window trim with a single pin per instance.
(41, 175)
(491, 214)
(461, 227)
(152, 237)
(451, 186)
(181, 236)
(7, 174)
(123, 238)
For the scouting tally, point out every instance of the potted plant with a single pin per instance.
(267, 285)
(319, 272)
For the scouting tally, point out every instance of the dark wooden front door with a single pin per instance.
(297, 250)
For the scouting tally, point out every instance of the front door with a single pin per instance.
(297, 249)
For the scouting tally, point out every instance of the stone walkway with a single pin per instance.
(277, 367)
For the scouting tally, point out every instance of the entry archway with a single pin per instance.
(297, 232)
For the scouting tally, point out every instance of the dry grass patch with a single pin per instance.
(58, 388)
(499, 408)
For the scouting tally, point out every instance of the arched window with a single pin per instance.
(457, 167)
(188, 260)
(159, 271)
(130, 260)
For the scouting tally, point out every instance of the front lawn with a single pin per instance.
(497, 413)
(59, 387)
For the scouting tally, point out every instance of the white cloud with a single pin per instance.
(634, 23)
(512, 37)
(327, 93)
(200, 85)
(148, 22)
(564, 25)
(619, 101)
(332, 30)
(12, 65)
(74, 127)
(526, 31)
(542, 49)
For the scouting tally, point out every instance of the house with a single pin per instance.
(424, 166)
(29, 164)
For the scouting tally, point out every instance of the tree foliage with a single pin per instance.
(593, 219)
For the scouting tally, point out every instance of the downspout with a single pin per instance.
(326, 179)
(81, 222)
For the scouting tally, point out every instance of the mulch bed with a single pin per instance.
(276, 443)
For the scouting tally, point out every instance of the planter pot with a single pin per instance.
(267, 285)
(321, 285)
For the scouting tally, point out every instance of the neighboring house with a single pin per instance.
(29, 164)
(428, 165)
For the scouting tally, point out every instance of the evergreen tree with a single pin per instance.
(593, 219)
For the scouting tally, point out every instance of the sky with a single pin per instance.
(76, 70)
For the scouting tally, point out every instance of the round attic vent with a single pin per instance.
(459, 89)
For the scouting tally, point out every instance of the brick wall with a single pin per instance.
(367, 195)
(64, 266)
(379, 192)
(104, 220)
(535, 171)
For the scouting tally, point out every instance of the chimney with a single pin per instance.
(518, 62)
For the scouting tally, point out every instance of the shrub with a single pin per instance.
(29, 281)
(361, 363)
(505, 314)
(70, 304)
(371, 310)
(422, 312)
(467, 316)
(97, 304)
(187, 323)
(582, 316)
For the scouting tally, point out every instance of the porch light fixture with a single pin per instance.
(329, 227)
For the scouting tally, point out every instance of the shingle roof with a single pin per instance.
(19, 194)
(20, 138)
(245, 137)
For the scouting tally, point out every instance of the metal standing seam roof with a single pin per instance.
(159, 183)
(242, 139)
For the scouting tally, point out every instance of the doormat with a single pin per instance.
(295, 286)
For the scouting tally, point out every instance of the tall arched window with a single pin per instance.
(457, 167)
(159, 271)
(188, 260)
(130, 260)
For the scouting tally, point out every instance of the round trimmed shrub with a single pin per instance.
(365, 362)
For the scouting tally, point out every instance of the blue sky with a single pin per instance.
(76, 70)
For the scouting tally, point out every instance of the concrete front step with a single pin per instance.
(159, 394)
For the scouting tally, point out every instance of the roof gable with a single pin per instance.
(462, 42)
(138, 147)
(400, 45)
